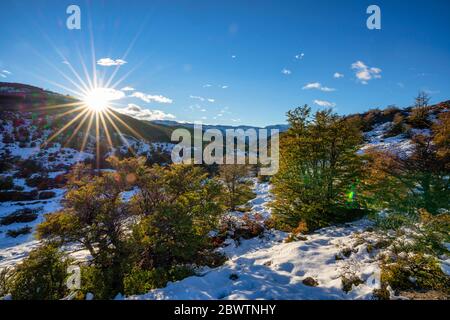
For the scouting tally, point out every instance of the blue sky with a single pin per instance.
(234, 62)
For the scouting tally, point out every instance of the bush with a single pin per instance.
(398, 126)
(417, 272)
(18, 196)
(43, 195)
(42, 182)
(29, 167)
(6, 183)
(20, 216)
(140, 281)
(101, 282)
(41, 276)
(18, 232)
(5, 275)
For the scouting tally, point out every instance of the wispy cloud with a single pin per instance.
(233, 56)
(317, 86)
(108, 62)
(338, 75)
(365, 73)
(224, 87)
(127, 88)
(207, 85)
(299, 56)
(5, 73)
(145, 114)
(286, 71)
(324, 103)
(202, 98)
(151, 98)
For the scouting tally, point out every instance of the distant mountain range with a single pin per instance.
(280, 127)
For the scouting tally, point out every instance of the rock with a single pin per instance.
(234, 276)
(46, 195)
(346, 252)
(311, 282)
(347, 283)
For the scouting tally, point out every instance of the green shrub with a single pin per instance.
(140, 281)
(41, 276)
(392, 221)
(417, 272)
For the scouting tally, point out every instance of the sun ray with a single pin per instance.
(108, 137)
(61, 73)
(97, 139)
(56, 106)
(85, 70)
(77, 128)
(64, 128)
(121, 135)
(126, 125)
(60, 115)
(83, 145)
(130, 47)
(76, 93)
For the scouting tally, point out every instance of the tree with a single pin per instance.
(319, 168)
(441, 138)
(237, 189)
(415, 179)
(94, 215)
(178, 206)
(419, 114)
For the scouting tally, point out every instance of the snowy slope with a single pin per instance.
(269, 268)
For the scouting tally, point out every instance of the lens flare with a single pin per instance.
(98, 99)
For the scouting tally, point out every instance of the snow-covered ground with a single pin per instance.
(269, 268)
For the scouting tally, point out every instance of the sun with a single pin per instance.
(98, 99)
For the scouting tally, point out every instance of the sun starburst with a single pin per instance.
(93, 109)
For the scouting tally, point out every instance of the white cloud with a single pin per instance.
(299, 56)
(365, 73)
(224, 87)
(338, 75)
(144, 114)
(324, 103)
(149, 98)
(233, 57)
(286, 71)
(202, 98)
(127, 89)
(317, 86)
(2, 75)
(207, 85)
(6, 72)
(108, 62)
(111, 94)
